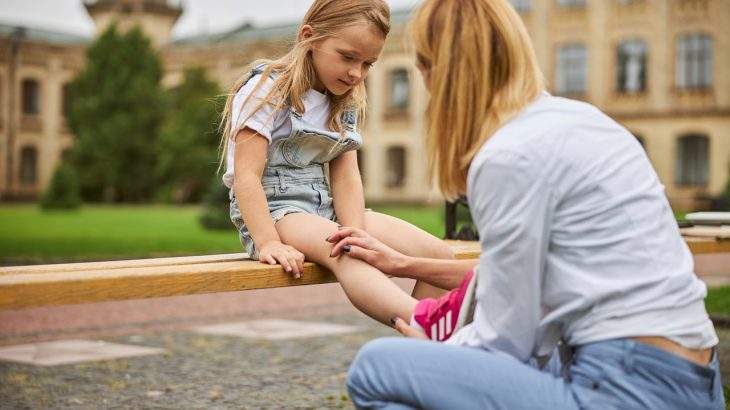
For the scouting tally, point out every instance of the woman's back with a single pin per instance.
(612, 257)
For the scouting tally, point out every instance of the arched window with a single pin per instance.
(694, 61)
(572, 69)
(31, 97)
(631, 69)
(692, 160)
(399, 89)
(395, 176)
(28, 166)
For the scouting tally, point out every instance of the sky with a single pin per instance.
(199, 16)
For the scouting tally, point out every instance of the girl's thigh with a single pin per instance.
(307, 233)
(421, 374)
(406, 237)
(410, 240)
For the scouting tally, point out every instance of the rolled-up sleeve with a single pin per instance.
(511, 205)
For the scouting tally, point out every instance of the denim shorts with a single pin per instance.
(288, 190)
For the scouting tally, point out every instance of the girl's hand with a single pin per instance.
(291, 260)
(406, 330)
(359, 244)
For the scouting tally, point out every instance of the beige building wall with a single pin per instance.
(661, 114)
(52, 67)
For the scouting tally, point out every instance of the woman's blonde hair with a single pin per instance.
(295, 72)
(482, 69)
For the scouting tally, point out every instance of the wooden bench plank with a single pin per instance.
(129, 263)
(59, 284)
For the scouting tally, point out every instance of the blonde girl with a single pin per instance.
(579, 244)
(284, 120)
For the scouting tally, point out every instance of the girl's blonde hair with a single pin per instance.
(295, 72)
(482, 70)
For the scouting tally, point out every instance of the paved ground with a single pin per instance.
(261, 367)
(248, 364)
(200, 371)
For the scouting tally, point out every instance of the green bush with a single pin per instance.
(63, 191)
(215, 213)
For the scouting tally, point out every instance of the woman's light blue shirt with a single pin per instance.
(578, 238)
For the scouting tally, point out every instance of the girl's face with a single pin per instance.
(343, 60)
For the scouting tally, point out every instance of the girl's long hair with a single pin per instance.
(482, 69)
(295, 71)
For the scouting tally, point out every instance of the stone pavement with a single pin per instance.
(270, 348)
(203, 371)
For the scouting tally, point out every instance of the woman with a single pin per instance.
(578, 241)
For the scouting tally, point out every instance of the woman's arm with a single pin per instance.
(347, 192)
(248, 167)
(443, 273)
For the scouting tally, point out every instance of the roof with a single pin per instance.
(247, 32)
(42, 35)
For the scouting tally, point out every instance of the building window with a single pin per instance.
(28, 166)
(694, 61)
(30, 97)
(692, 160)
(522, 5)
(395, 176)
(571, 3)
(399, 90)
(631, 70)
(571, 70)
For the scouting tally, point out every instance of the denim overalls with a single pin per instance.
(294, 177)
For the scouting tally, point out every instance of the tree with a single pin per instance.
(187, 147)
(115, 111)
(63, 191)
(215, 212)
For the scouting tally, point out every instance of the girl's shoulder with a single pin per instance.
(256, 84)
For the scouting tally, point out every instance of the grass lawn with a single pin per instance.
(97, 232)
(718, 301)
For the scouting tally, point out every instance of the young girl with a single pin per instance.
(286, 119)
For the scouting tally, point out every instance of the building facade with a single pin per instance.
(659, 67)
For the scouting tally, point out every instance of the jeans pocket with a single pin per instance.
(325, 200)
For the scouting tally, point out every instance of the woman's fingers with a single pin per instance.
(406, 330)
(344, 232)
(366, 255)
(351, 241)
(270, 259)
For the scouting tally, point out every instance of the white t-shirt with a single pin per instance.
(273, 126)
(578, 239)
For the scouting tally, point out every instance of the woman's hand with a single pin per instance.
(406, 330)
(291, 260)
(359, 244)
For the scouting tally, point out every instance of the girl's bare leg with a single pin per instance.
(410, 240)
(368, 289)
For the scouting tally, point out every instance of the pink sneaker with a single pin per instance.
(440, 318)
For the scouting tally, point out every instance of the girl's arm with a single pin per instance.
(249, 161)
(347, 192)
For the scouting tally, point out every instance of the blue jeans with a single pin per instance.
(399, 373)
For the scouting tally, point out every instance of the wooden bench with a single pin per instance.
(72, 283)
